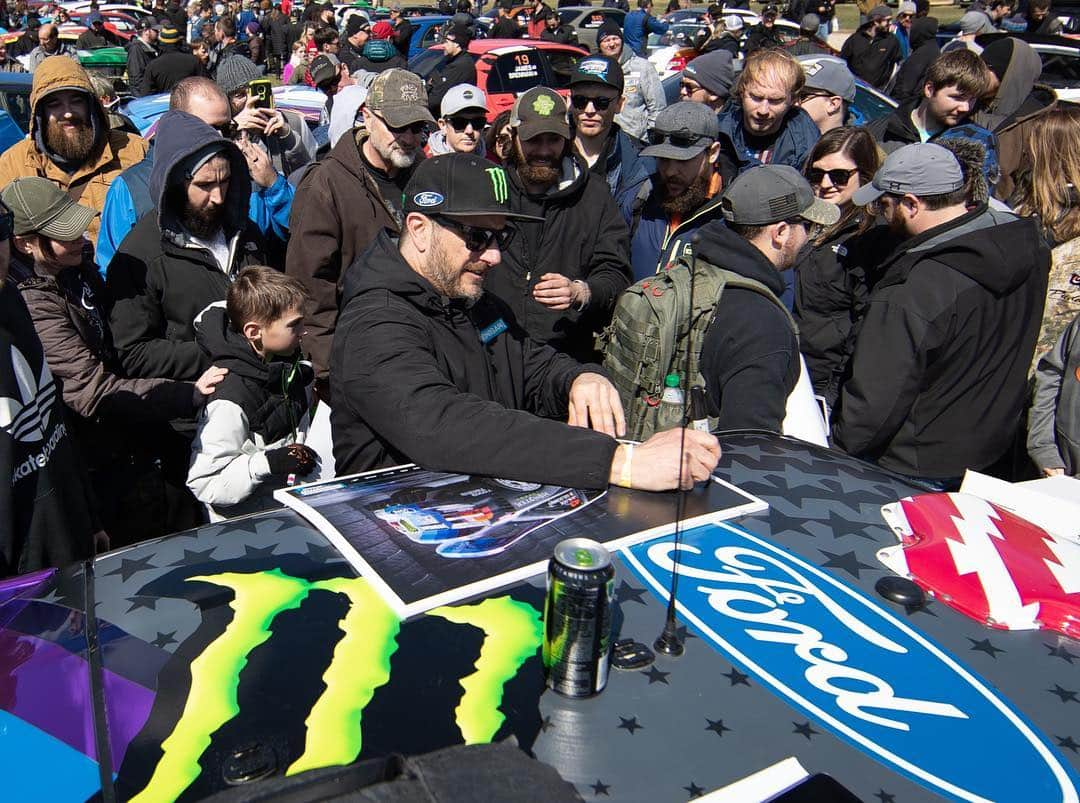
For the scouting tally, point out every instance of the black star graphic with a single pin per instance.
(319, 553)
(546, 724)
(717, 726)
(129, 568)
(848, 561)
(656, 676)
(779, 523)
(142, 602)
(736, 677)
(1068, 743)
(1065, 695)
(985, 646)
(694, 790)
(259, 552)
(1061, 652)
(806, 729)
(164, 639)
(683, 633)
(630, 724)
(600, 788)
(884, 796)
(627, 593)
(841, 526)
(194, 556)
(920, 609)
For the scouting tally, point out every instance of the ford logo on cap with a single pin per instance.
(854, 667)
(426, 199)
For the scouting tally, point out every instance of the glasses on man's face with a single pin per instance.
(476, 238)
(680, 139)
(810, 94)
(228, 130)
(581, 102)
(688, 87)
(838, 176)
(812, 229)
(461, 122)
(413, 128)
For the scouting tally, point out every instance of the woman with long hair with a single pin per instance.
(830, 286)
(1050, 189)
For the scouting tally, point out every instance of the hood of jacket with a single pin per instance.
(347, 103)
(229, 349)
(386, 270)
(1024, 68)
(923, 30)
(996, 249)
(720, 246)
(58, 73)
(180, 135)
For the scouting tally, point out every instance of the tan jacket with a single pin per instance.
(115, 152)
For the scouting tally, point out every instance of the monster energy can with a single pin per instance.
(577, 617)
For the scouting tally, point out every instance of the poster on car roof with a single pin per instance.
(426, 539)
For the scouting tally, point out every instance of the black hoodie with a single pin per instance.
(159, 278)
(750, 357)
(939, 373)
(418, 377)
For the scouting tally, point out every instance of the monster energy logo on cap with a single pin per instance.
(498, 184)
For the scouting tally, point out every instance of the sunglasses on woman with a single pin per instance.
(460, 122)
(837, 176)
(476, 238)
(581, 102)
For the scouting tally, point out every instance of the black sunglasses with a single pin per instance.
(581, 102)
(227, 130)
(7, 223)
(460, 122)
(412, 128)
(680, 139)
(476, 238)
(839, 177)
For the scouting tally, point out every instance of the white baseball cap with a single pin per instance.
(462, 97)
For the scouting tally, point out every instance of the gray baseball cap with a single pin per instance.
(922, 169)
(831, 75)
(771, 193)
(682, 131)
(399, 97)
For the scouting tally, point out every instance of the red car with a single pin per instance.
(507, 67)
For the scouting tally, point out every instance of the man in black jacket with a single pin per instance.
(428, 368)
(403, 29)
(172, 66)
(563, 272)
(456, 67)
(872, 51)
(505, 26)
(939, 373)
(140, 52)
(181, 258)
(357, 33)
(750, 356)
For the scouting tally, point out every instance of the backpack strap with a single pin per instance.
(732, 279)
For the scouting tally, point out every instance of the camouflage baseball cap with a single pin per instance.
(540, 111)
(400, 98)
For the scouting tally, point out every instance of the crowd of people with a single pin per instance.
(490, 296)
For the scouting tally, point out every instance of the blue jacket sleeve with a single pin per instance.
(269, 208)
(117, 218)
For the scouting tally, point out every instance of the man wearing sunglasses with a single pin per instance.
(684, 193)
(352, 195)
(828, 93)
(563, 274)
(462, 120)
(708, 79)
(47, 515)
(429, 368)
(595, 98)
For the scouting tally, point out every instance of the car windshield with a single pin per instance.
(423, 63)
(18, 106)
(516, 72)
(1060, 69)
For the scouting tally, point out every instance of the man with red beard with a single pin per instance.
(562, 274)
(684, 194)
(70, 141)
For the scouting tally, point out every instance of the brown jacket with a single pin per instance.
(115, 150)
(336, 214)
(68, 314)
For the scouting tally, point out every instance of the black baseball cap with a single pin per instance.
(770, 193)
(460, 184)
(598, 70)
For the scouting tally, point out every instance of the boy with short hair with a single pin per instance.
(251, 436)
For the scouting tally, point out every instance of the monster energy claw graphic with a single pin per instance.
(498, 183)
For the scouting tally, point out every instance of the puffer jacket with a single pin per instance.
(89, 182)
(1054, 421)
(259, 406)
(160, 279)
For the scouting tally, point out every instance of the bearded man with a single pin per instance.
(70, 141)
(346, 199)
(181, 257)
(683, 195)
(563, 273)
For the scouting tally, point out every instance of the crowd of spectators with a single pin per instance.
(450, 283)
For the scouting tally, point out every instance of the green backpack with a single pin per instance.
(653, 324)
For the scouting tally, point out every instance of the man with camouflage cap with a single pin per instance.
(346, 199)
(562, 275)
